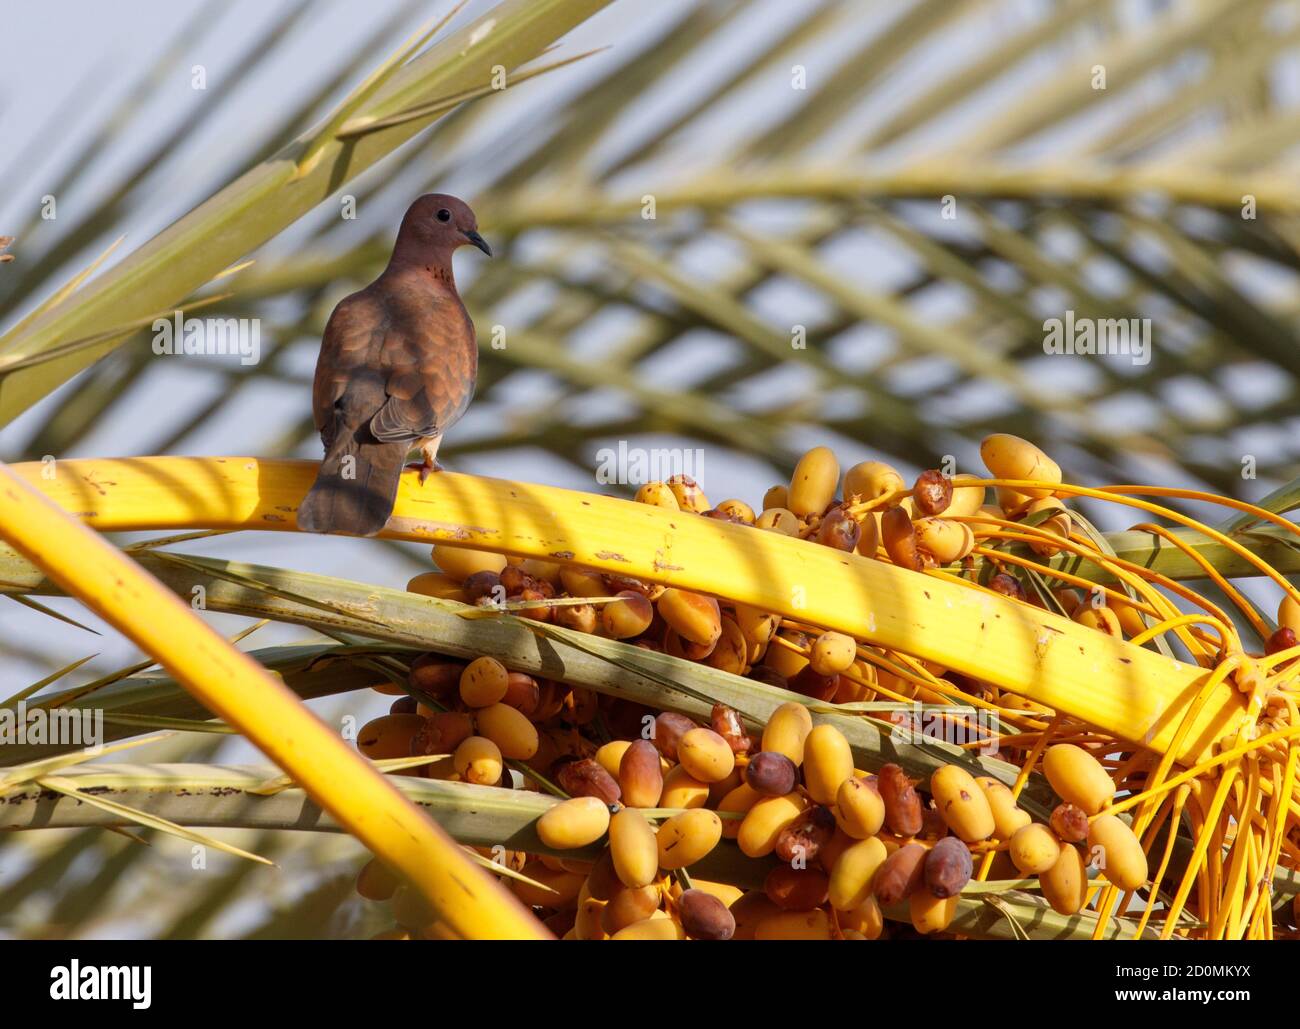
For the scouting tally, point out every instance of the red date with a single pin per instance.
(1283, 639)
(726, 723)
(933, 492)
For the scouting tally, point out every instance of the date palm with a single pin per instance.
(740, 227)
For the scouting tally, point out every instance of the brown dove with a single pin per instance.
(396, 370)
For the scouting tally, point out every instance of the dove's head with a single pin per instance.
(438, 223)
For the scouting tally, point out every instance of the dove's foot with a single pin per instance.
(429, 451)
(425, 468)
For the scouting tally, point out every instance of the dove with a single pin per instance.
(396, 370)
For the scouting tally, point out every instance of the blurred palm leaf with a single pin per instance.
(823, 211)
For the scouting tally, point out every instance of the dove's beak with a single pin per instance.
(479, 242)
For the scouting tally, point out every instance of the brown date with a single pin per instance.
(640, 775)
(769, 677)
(903, 811)
(1007, 585)
(810, 684)
(797, 889)
(581, 617)
(932, 824)
(669, 728)
(434, 675)
(585, 777)
(839, 531)
(803, 838)
(522, 693)
(483, 585)
(771, 773)
(1070, 822)
(899, 538)
(532, 596)
(704, 916)
(618, 583)
(514, 580)
(901, 875)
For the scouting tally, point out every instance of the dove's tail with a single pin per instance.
(355, 488)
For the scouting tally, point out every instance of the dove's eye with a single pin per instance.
(444, 215)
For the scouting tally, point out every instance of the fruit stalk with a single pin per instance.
(1126, 691)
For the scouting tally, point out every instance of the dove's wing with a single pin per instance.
(348, 389)
(393, 365)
